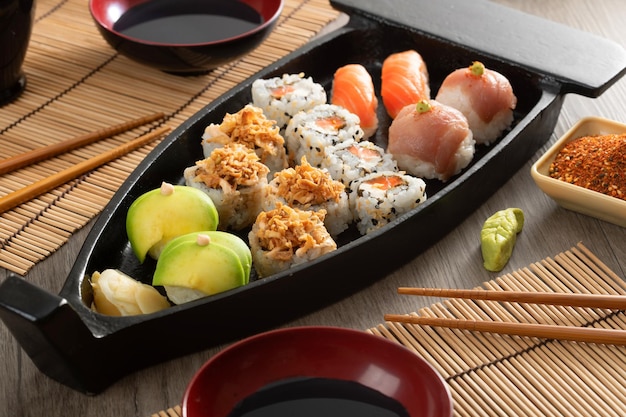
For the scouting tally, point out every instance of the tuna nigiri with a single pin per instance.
(431, 140)
(484, 96)
(353, 89)
(404, 81)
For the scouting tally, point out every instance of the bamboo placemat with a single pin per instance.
(499, 375)
(77, 84)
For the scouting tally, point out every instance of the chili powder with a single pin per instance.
(597, 163)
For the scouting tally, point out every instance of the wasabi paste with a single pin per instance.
(498, 236)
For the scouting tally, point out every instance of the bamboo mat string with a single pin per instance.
(77, 83)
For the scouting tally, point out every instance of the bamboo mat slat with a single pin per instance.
(498, 375)
(78, 84)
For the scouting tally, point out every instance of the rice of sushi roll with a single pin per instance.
(285, 237)
(381, 197)
(235, 180)
(281, 98)
(250, 127)
(309, 133)
(351, 160)
(484, 96)
(309, 188)
(431, 140)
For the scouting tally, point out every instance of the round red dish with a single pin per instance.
(243, 368)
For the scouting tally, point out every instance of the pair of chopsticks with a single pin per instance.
(37, 188)
(571, 333)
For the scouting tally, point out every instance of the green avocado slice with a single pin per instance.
(210, 268)
(156, 217)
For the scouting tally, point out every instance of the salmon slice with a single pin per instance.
(386, 182)
(353, 89)
(404, 81)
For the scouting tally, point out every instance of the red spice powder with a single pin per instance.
(597, 163)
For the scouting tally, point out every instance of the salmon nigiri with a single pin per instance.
(353, 89)
(404, 81)
(484, 96)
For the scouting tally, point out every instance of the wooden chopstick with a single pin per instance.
(31, 191)
(614, 302)
(39, 154)
(571, 333)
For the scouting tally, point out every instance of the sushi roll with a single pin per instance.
(404, 81)
(281, 98)
(431, 140)
(309, 188)
(351, 160)
(250, 127)
(284, 237)
(381, 197)
(484, 96)
(235, 179)
(353, 89)
(308, 133)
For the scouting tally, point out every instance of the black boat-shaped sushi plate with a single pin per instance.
(543, 60)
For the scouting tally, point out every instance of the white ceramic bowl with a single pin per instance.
(574, 197)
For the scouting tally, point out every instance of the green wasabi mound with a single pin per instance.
(498, 236)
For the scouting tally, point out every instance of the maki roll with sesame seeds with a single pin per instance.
(281, 98)
(352, 160)
(309, 133)
(381, 197)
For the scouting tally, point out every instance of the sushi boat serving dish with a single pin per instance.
(543, 61)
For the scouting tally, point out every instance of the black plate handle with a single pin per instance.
(48, 329)
(578, 61)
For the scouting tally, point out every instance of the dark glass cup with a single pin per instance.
(16, 23)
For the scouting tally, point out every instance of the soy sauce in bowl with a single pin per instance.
(188, 21)
(318, 397)
(185, 37)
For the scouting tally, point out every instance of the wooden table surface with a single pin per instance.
(455, 261)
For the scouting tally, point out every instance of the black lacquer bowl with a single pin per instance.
(544, 61)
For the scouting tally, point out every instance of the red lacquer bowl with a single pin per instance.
(334, 353)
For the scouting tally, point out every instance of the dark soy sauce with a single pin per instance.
(188, 21)
(315, 397)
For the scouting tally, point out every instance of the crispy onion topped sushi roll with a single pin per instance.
(308, 133)
(309, 188)
(431, 140)
(281, 98)
(484, 96)
(351, 160)
(380, 197)
(284, 237)
(235, 179)
(250, 127)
